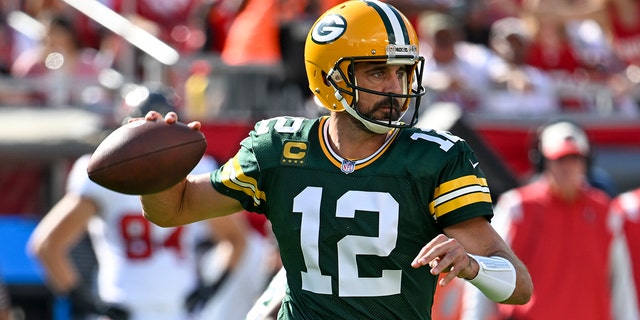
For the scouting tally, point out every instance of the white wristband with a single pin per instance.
(496, 277)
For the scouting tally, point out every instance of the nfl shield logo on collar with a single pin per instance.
(348, 166)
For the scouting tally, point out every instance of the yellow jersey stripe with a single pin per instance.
(323, 145)
(459, 183)
(458, 193)
(459, 202)
(233, 177)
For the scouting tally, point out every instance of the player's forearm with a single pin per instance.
(501, 278)
(191, 200)
(164, 208)
(63, 278)
(524, 286)
(61, 273)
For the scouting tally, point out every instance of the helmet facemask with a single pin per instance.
(342, 79)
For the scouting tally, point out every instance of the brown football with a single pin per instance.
(145, 157)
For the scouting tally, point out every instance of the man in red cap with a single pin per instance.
(559, 226)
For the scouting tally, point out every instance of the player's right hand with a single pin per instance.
(446, 255)
(170, 117)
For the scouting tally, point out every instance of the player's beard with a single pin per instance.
(387, 110)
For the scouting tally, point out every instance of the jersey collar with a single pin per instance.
(350, 165)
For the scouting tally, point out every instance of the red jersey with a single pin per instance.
(564, 245)
(626, 38)
(627, 207)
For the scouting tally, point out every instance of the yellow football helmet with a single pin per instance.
(357, 31)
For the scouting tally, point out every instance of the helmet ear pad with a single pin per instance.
(325, 79)
(340, 83)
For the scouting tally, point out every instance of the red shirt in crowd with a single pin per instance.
(564, 245)
(627, 207)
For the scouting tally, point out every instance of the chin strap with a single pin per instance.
(496, 277)
(373, 127)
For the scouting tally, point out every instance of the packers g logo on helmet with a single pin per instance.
(329, 29)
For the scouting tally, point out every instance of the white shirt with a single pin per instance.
(146, 268)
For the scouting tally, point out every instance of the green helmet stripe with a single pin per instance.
(396, 29)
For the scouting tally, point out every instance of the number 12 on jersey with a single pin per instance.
(350, 284)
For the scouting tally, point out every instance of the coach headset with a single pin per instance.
(536, 157)
(596, 176)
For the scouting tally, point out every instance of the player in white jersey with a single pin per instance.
(145, 272)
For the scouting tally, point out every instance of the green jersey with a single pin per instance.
(348, 229)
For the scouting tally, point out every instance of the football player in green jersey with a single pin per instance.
(367, 210)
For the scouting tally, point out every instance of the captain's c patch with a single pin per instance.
(294, 153)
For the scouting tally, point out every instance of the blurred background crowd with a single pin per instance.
(525, 57)
(72, 70)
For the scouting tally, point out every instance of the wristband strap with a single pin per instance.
(496, 277)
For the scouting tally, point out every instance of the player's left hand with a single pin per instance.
(444, 254)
